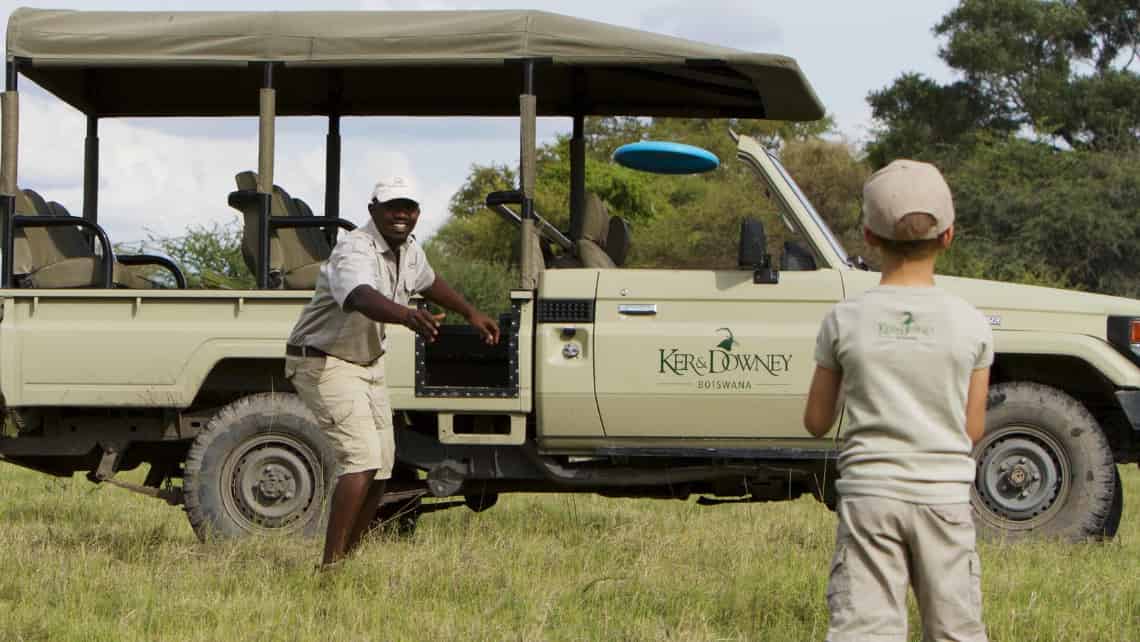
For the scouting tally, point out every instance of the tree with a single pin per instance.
(676, 221)
(1057, 70)
(210, 257)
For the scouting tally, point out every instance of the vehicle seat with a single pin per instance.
(591, 247)
(617, 240)
(295, 254)
(59, 257)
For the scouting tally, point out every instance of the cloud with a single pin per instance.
(729, 23)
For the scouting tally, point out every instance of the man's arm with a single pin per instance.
(368, 301)
(822, 402)
(443, 294)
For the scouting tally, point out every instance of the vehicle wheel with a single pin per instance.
(1112, 523)
(261, 466)
(399, 518)
(1045, 468)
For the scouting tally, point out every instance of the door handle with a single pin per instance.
(638, 309)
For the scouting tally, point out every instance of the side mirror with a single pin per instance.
(754, 252)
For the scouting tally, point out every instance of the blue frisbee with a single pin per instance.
(661, 157)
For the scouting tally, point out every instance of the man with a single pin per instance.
(334, 352)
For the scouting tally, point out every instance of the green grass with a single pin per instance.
(81, 562)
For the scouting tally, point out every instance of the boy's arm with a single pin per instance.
(976, 404)
(822, 402)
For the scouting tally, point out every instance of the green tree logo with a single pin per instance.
(728, 341)
(908, 321)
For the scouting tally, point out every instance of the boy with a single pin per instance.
(912, 362)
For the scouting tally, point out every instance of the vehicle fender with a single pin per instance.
(1114, 366)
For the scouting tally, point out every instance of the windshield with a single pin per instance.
(810, 210)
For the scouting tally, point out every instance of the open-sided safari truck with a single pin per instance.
(622, 382)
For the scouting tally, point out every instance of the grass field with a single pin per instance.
(81, 562)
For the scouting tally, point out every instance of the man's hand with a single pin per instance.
(424, 323)
(487, 328)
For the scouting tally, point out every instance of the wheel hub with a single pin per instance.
(1018, 478)
(273, 482)
(276, 482)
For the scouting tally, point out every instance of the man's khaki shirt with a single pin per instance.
(361, 257)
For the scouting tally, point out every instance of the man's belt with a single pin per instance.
(304, 351)
(309, 351)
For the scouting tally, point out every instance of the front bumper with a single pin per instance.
(1130, 403)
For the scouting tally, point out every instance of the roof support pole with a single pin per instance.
(528, 112)
(9, 147)
(332, 173)
(265, 138)
(91, 170)
(577, 176)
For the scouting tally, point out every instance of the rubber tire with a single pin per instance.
(1079, 512)
(1116, 511)
(259, 416)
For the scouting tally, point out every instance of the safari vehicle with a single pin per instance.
(621, 382)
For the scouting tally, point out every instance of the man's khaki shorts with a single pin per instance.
(881, 546)
(351, 405)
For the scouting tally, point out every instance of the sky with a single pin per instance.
(157, 176)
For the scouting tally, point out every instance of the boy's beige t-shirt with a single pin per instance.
(906, 354)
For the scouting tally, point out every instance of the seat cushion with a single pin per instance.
(593, 256)
(79, 272)
(303, 278)
(133, 277)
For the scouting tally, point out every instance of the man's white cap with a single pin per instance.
(906, 187)
(391, 188)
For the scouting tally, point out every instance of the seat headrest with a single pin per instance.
(281, 204)
(595, 220)
(301, 208)
(30, 203)
(617, 241)
(246, 180)
(57, 209)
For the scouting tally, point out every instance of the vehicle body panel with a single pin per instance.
(721, 357)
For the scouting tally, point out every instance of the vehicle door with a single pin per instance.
(713, 354)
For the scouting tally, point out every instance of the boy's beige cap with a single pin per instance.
(906, 187)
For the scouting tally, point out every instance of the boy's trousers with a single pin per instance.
(881, 546)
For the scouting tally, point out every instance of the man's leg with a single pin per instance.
(352, 491)
(385, 443)
(366, 513)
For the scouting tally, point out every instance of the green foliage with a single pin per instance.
(486, 284)
(832, 179)
(676, 221)
(1064, 217)
(1059, 70)
(210, 257)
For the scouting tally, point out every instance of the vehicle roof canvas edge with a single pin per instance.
(444, 63)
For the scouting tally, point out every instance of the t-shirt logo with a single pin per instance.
(905, 328)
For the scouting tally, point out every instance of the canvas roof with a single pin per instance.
(392, 63)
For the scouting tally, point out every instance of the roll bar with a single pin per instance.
(154, 259)
(497, 202)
